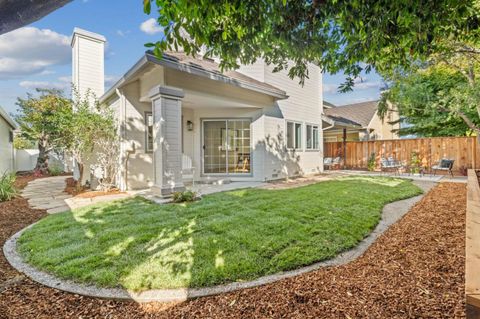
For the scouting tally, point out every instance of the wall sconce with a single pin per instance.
(190, 125)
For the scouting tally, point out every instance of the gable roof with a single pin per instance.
(354, 114)
(7, 118)
(202, 67)
(328, 105)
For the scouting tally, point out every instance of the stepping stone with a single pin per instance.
(58, 209)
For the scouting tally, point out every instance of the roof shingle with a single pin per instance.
(358, 113)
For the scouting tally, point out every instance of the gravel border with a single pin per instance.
(391, 213)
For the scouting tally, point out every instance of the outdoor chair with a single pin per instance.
(330, 163)
(327, 162)
(390, 164)
(444, 165)
(188, 170)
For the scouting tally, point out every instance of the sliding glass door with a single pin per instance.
(226, 147)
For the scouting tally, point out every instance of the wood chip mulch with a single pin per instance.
(414, 270)
(71, 188)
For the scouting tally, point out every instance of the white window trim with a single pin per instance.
(318, 137)
(302, 144)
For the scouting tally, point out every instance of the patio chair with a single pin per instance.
(332, 163)
(444, 165)
(327, 162)
(390, 164)
(188, 170)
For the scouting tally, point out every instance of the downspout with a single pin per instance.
(328, 127)
(123, 151)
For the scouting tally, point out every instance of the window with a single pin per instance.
(10, 136)
(148, 132)
(294, 135)
(312, 137)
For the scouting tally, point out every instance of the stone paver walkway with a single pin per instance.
(47, 193)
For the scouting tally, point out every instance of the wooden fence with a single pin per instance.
(464, 150)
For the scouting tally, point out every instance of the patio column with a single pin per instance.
(167, 148)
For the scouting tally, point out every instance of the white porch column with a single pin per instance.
(167, 148)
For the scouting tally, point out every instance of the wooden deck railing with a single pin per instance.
(472, 246)
(464, 150)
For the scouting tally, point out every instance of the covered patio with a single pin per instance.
(187, 123)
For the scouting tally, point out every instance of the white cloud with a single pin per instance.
(63, 83)
(330, 88)
(150, 26)
(29, 50)
(110, 80)
(122, 33)
(359, 85)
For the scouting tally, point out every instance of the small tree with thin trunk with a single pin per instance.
(89, 126)
(41, 120)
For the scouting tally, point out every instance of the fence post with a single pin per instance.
(344, 140)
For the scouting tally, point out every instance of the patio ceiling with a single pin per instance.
(196, 99)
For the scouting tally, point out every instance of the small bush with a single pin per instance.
(415, 163)
(55, 170)
(186, 196)
(372, 162)
(7, 187)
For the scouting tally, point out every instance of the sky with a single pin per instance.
(39, 55)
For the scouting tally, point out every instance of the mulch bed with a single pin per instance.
(71, 188)
(414, 270)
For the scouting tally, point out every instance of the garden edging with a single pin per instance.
(391, 213)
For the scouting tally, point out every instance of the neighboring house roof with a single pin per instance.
(7, 118)
(358, 114)
(202, 67)
(328, 105)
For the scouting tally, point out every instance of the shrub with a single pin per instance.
(186, 196)
(7, 187)
(415, 163)
(371, 162)
(55, 170)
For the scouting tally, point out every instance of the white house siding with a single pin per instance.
(137, 161)
(208, 99)
(303, 105)
(6, 148)
(255, 70)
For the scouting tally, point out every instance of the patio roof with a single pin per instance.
(198, 66)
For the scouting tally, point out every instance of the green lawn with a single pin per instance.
(225, 237)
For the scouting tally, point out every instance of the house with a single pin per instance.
(182, 118)
(7, 158)
(360, 121)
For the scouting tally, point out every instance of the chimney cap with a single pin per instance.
(87, 34)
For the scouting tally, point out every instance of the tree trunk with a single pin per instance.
(80, 175)
(42, 160)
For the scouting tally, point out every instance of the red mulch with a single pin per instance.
(414, 270)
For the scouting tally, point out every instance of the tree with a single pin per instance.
(430, 101)
(347, 36)
(88, 127)
(21, 143)
(41, 120)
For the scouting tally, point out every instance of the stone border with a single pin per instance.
(391, 213)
